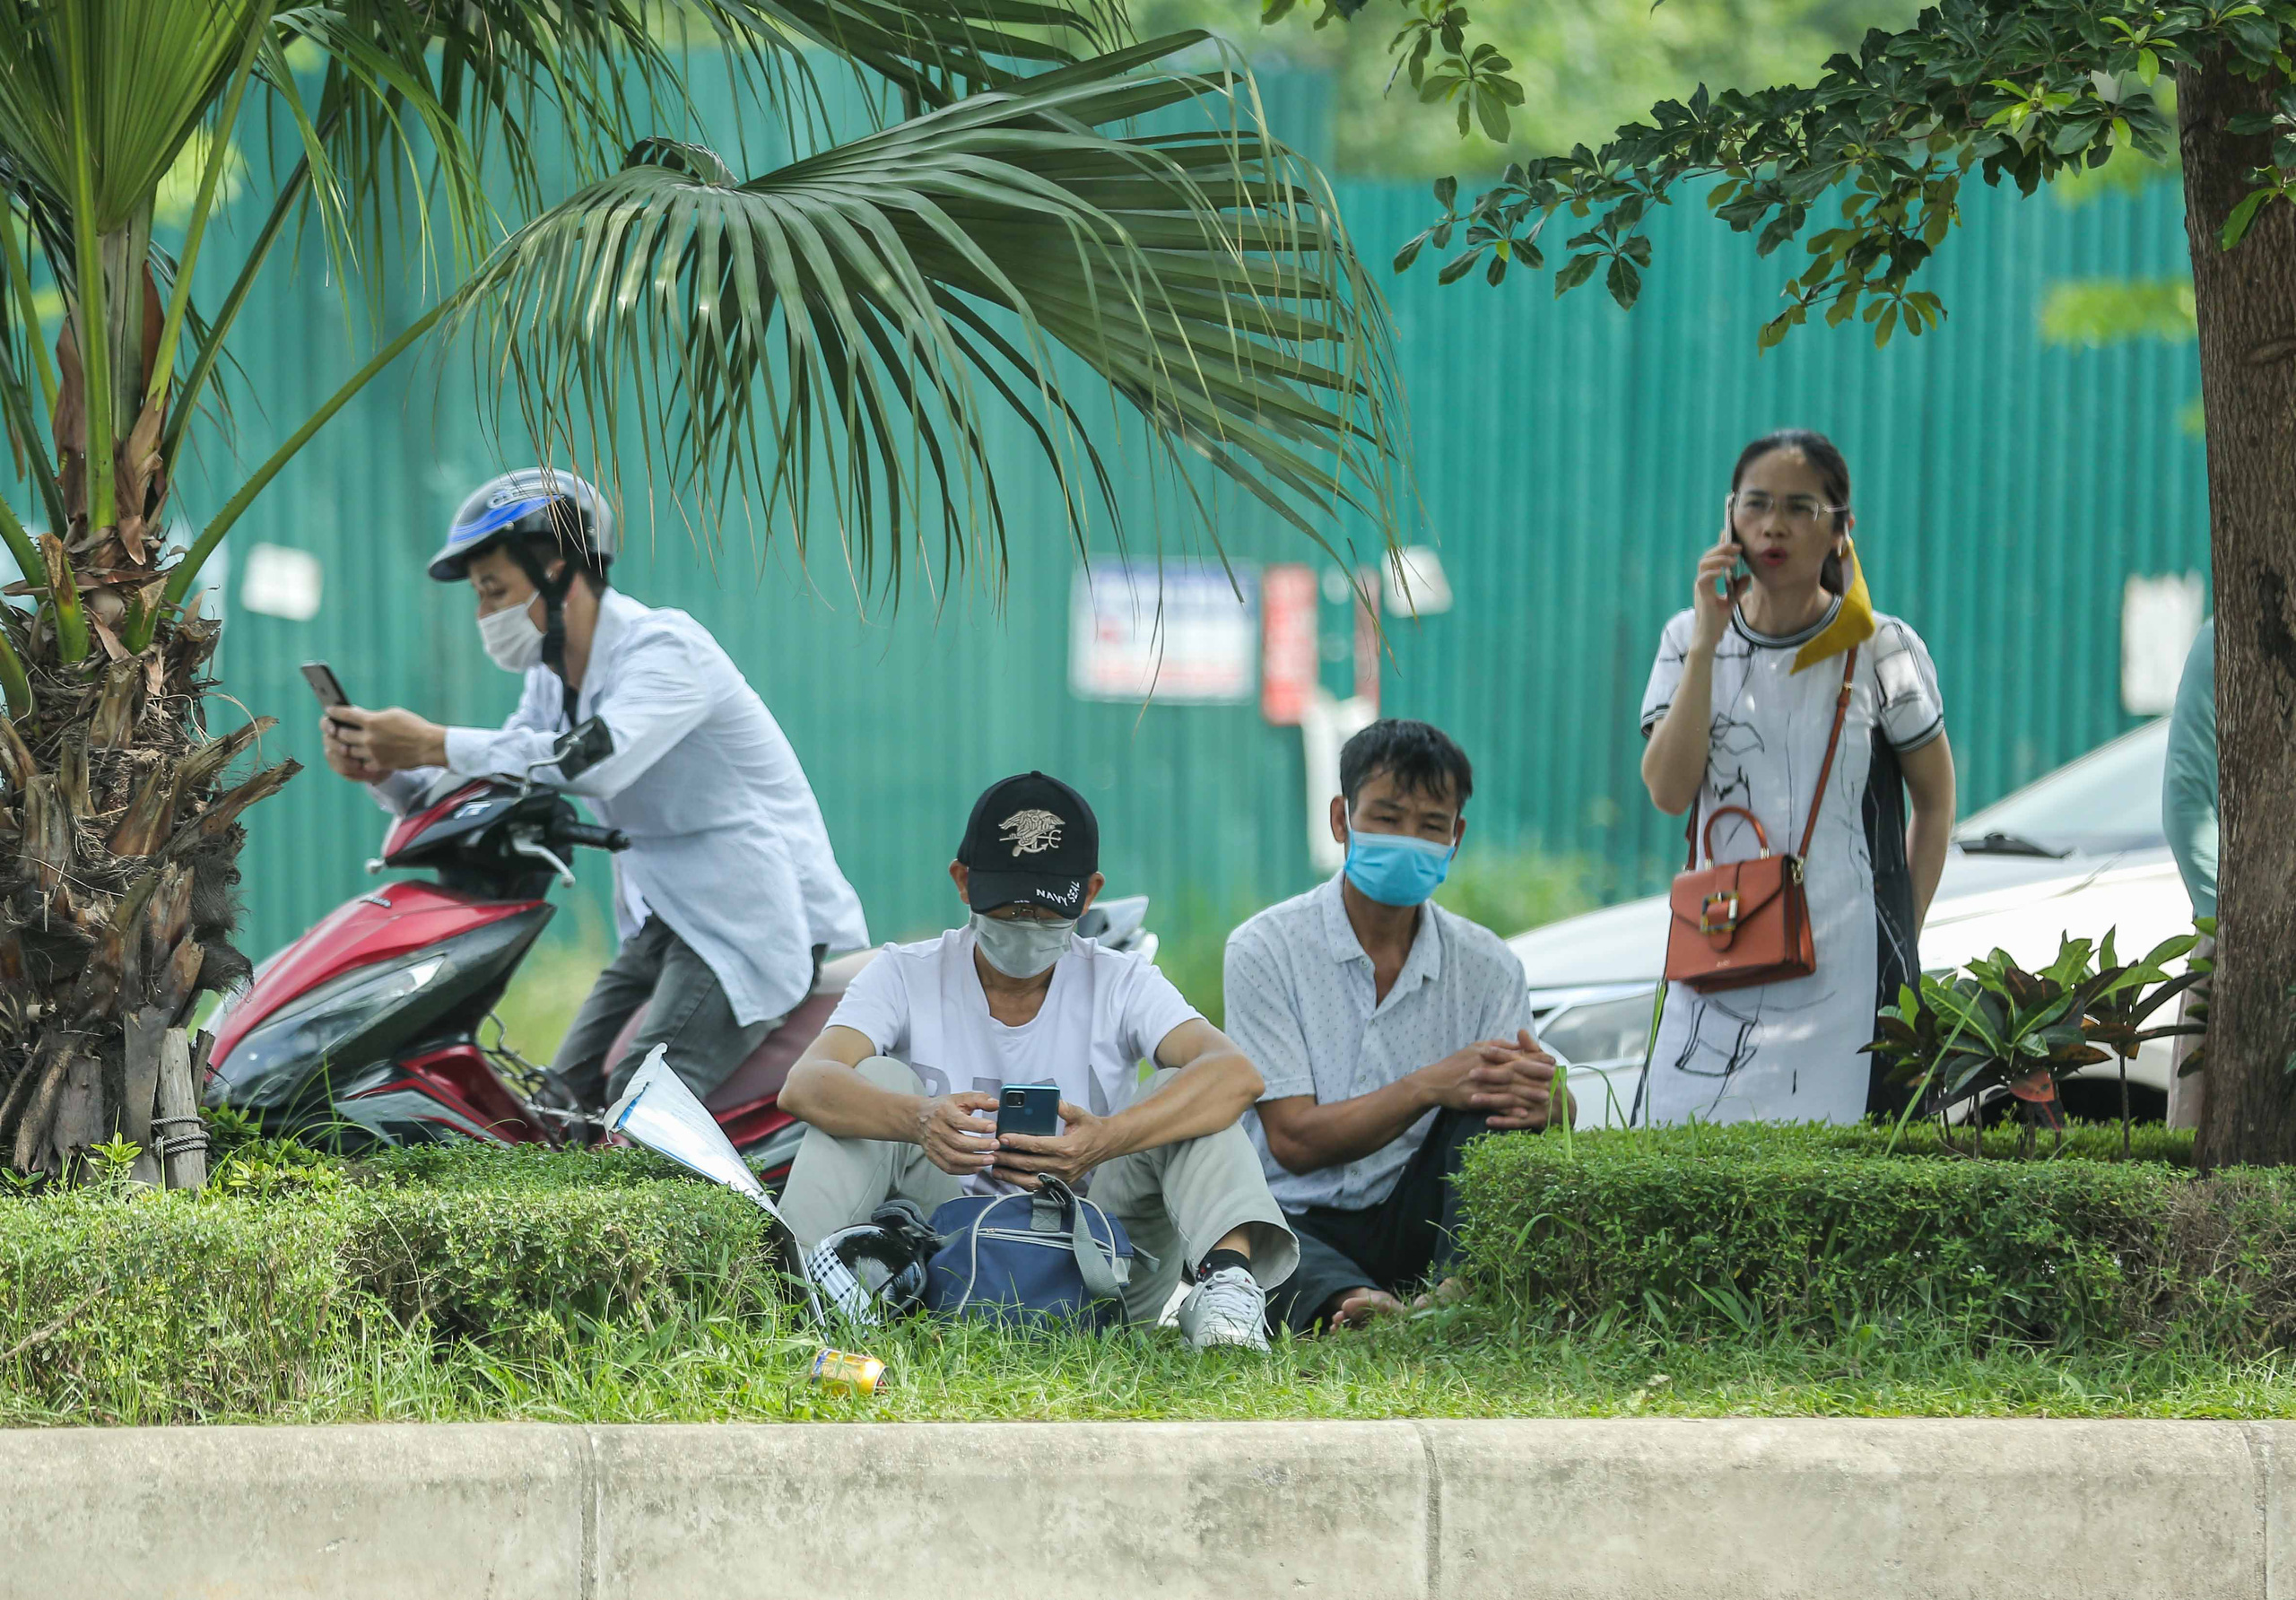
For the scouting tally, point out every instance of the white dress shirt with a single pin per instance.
(727, 845)
(1302, 1005)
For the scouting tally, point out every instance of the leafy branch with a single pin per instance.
(1432, 51)
(2016, 92)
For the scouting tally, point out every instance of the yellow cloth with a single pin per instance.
(1852, 625)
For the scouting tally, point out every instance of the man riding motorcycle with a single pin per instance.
(730, 892)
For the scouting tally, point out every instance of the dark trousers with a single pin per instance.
(1396, 1245)
(686, 1009)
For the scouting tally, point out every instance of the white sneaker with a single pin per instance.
(1228, 1308)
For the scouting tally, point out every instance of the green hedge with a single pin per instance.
(160, 1306)
(292, 1270)
(1813, 1230)
(166, 1305)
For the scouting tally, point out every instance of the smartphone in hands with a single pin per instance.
(1031, 1108)
(321, 677)
(1738, 568)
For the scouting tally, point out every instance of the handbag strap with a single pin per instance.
(1833, 743)
(1092, 1263)
(1825, 771)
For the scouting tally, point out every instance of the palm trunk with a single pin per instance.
(2247, 304)
(118, 827)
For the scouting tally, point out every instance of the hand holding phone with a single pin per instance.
(1028, 1109)
(1738, 568)
(1721, 579)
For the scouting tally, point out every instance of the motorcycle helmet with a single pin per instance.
(876, 1270)
(534, 513)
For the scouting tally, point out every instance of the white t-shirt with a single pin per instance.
(1107, 1010)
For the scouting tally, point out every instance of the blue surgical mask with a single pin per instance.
(1396, 869)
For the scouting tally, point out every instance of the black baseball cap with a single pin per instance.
(1031, 840)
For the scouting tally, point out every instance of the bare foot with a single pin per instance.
(1358, 1306)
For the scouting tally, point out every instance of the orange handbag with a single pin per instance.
(1737, 924)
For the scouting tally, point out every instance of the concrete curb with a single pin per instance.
(1638, 1509)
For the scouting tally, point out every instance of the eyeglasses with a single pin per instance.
(1799, 511)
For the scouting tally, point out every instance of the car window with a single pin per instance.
(2108, 800)
(1603, 1031)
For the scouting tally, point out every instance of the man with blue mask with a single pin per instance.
(1388, 1031)
(730, 893)
(901, 1090)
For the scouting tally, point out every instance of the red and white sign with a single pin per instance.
(1288, 662)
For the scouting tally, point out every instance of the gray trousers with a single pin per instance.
(1177, 1201)
(686, 1010)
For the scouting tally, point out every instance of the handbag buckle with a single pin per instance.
(1725, 900)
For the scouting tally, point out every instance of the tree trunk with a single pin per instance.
(118, 821)
(2246, 303)
(183, 1143)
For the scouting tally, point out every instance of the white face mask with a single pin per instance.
(1023, 947)
(512, 642)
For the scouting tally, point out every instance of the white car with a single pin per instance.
(2077, 852)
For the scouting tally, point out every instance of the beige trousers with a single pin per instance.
(2186, 1090)
(1177, 1201)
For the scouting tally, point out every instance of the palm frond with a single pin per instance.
(149, 72)
(833, 339)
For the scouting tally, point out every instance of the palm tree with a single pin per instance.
(823, 344)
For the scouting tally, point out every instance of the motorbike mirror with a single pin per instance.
(582, 747)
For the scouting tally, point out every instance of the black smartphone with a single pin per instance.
(1028, 1109)
(1739, 569)
(320, 676)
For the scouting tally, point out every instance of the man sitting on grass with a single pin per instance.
(901, 1087)
(1389, 1032)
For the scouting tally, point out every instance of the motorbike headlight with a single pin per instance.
(272, 1060)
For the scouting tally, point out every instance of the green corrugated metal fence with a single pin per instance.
(1572, 458)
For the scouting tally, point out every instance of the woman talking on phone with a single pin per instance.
(1798, 722)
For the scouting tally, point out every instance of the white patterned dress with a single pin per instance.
(1788, 1051)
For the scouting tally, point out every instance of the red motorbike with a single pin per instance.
(373, 1028)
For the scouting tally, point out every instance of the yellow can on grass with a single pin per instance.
(848, 1372)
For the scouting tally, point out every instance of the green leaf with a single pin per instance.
(1458, 266)
(2148, 66)
(1491, 111)
(1575, 271)
(2236, 226)
(1624, 281)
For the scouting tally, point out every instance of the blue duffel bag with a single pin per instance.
(1047, 1257)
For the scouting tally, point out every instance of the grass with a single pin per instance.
(523, 1232)
(748, 1363)
(545, 993)
(1512, 892)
